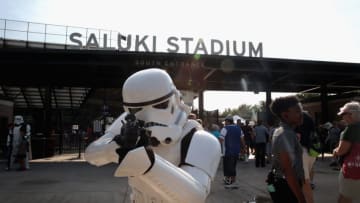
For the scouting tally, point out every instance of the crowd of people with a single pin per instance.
(291, 144)
(159, 147)
(292, 147)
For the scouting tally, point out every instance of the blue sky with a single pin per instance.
(325, 30)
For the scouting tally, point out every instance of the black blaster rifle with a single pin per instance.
(132, 135)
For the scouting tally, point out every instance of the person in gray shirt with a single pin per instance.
(261, 137)
(288, 173)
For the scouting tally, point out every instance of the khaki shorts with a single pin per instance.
(349, 187)
(308, 162)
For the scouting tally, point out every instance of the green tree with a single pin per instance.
(245, 111)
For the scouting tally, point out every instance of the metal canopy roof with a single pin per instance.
(103, 68)
(37, 57)
(287, 75)
(71, 74)
(33, 98)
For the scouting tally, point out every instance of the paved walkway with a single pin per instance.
(67, 179)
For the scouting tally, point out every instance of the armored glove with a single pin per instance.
(135, 153)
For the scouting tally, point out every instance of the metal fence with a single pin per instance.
(41, 35)
(70, 143)
(58, 144)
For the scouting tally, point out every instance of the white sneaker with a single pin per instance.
(226, 181)
(231, 186)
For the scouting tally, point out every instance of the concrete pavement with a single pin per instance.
(67, 179)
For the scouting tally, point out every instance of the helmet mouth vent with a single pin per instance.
(168, 140)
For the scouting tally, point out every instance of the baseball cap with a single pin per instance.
(327, 125)
(229, 118)
(350, 107)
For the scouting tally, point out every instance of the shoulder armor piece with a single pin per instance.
(204, 152)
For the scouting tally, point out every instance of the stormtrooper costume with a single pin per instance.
(184, 157)
(14, 139)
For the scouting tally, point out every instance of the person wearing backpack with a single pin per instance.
(349, 152)
(306, 132)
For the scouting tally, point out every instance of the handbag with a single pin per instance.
(351, 164)
(270, 180)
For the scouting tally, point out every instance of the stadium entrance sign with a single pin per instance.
(172, 44)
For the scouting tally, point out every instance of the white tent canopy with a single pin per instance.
(237, 117)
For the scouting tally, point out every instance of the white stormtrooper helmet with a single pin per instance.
(153, 98)
(18, 120)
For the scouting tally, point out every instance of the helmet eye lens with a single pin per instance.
(162, 105)
(134, 110)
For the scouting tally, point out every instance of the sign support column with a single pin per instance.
(201, 104)
(324, 103)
